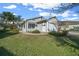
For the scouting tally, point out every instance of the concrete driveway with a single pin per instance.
(73, 33)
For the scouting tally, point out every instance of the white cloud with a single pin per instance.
(25, 4)
(10, 7)
(75, 14)
(48, 14)
(44, 14)
(54, 14)
(31, 9)
(74, 18)
(70, 18)
(68, 13)
(39, 10)
(14, 14)
(44, 5)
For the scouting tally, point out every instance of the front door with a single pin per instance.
(44, 28)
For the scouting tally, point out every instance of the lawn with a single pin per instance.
(28, 45)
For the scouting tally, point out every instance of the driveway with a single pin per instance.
(73, 33)
(35, 33)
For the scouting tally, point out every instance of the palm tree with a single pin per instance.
(10, 18)
(2, 24)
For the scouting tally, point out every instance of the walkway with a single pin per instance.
(73, 33)
(34, 33)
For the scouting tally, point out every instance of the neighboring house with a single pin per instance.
(39, 23)
(1, 24)
(68, 25)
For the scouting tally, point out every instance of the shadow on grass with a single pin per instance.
(5, 52)
(75, 39)
(4, 34)
(72, 41)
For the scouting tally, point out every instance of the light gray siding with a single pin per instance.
(42, 27)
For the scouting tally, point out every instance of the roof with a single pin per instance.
(42, 21)
(52, 17)
(53, 20)
(68, 22)
(35, 18)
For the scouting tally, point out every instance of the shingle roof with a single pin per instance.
(35, 18)
(68, 22)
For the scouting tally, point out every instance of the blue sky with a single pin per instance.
(31, 10)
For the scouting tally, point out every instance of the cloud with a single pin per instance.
(39, 10)
(54, 14)
(44, 14)
(48, 14)
(75, 14)
(70, 18)
(31, 9)
(14, 14)
(25, 4)
(73, 18)
(68, 13)
(44, 5)
(10, 7)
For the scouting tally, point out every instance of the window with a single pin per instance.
(31, 25)
(24, 25)
(44, 24)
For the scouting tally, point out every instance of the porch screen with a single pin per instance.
(31, 25)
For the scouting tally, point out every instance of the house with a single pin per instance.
(1, 24)
(39, 23)
(68, 25)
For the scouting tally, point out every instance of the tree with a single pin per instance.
(10, 19)
(2, 25)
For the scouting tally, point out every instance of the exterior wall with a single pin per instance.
(52, 27)
(72, 26)
(46, 27)
(30, 29)
(68, 27)
(53, 24)
(39, 27)
(42, 27)
(32, 21)
(24, 28)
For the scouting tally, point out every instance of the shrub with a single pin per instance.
(15, 30)
(35, 31)
(3, 31)
(55, 33)
(63, 33)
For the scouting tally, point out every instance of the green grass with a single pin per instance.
(21, 44)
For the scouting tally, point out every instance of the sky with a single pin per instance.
(31, 10)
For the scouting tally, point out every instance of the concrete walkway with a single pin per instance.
(73, 33)
(34, 33)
